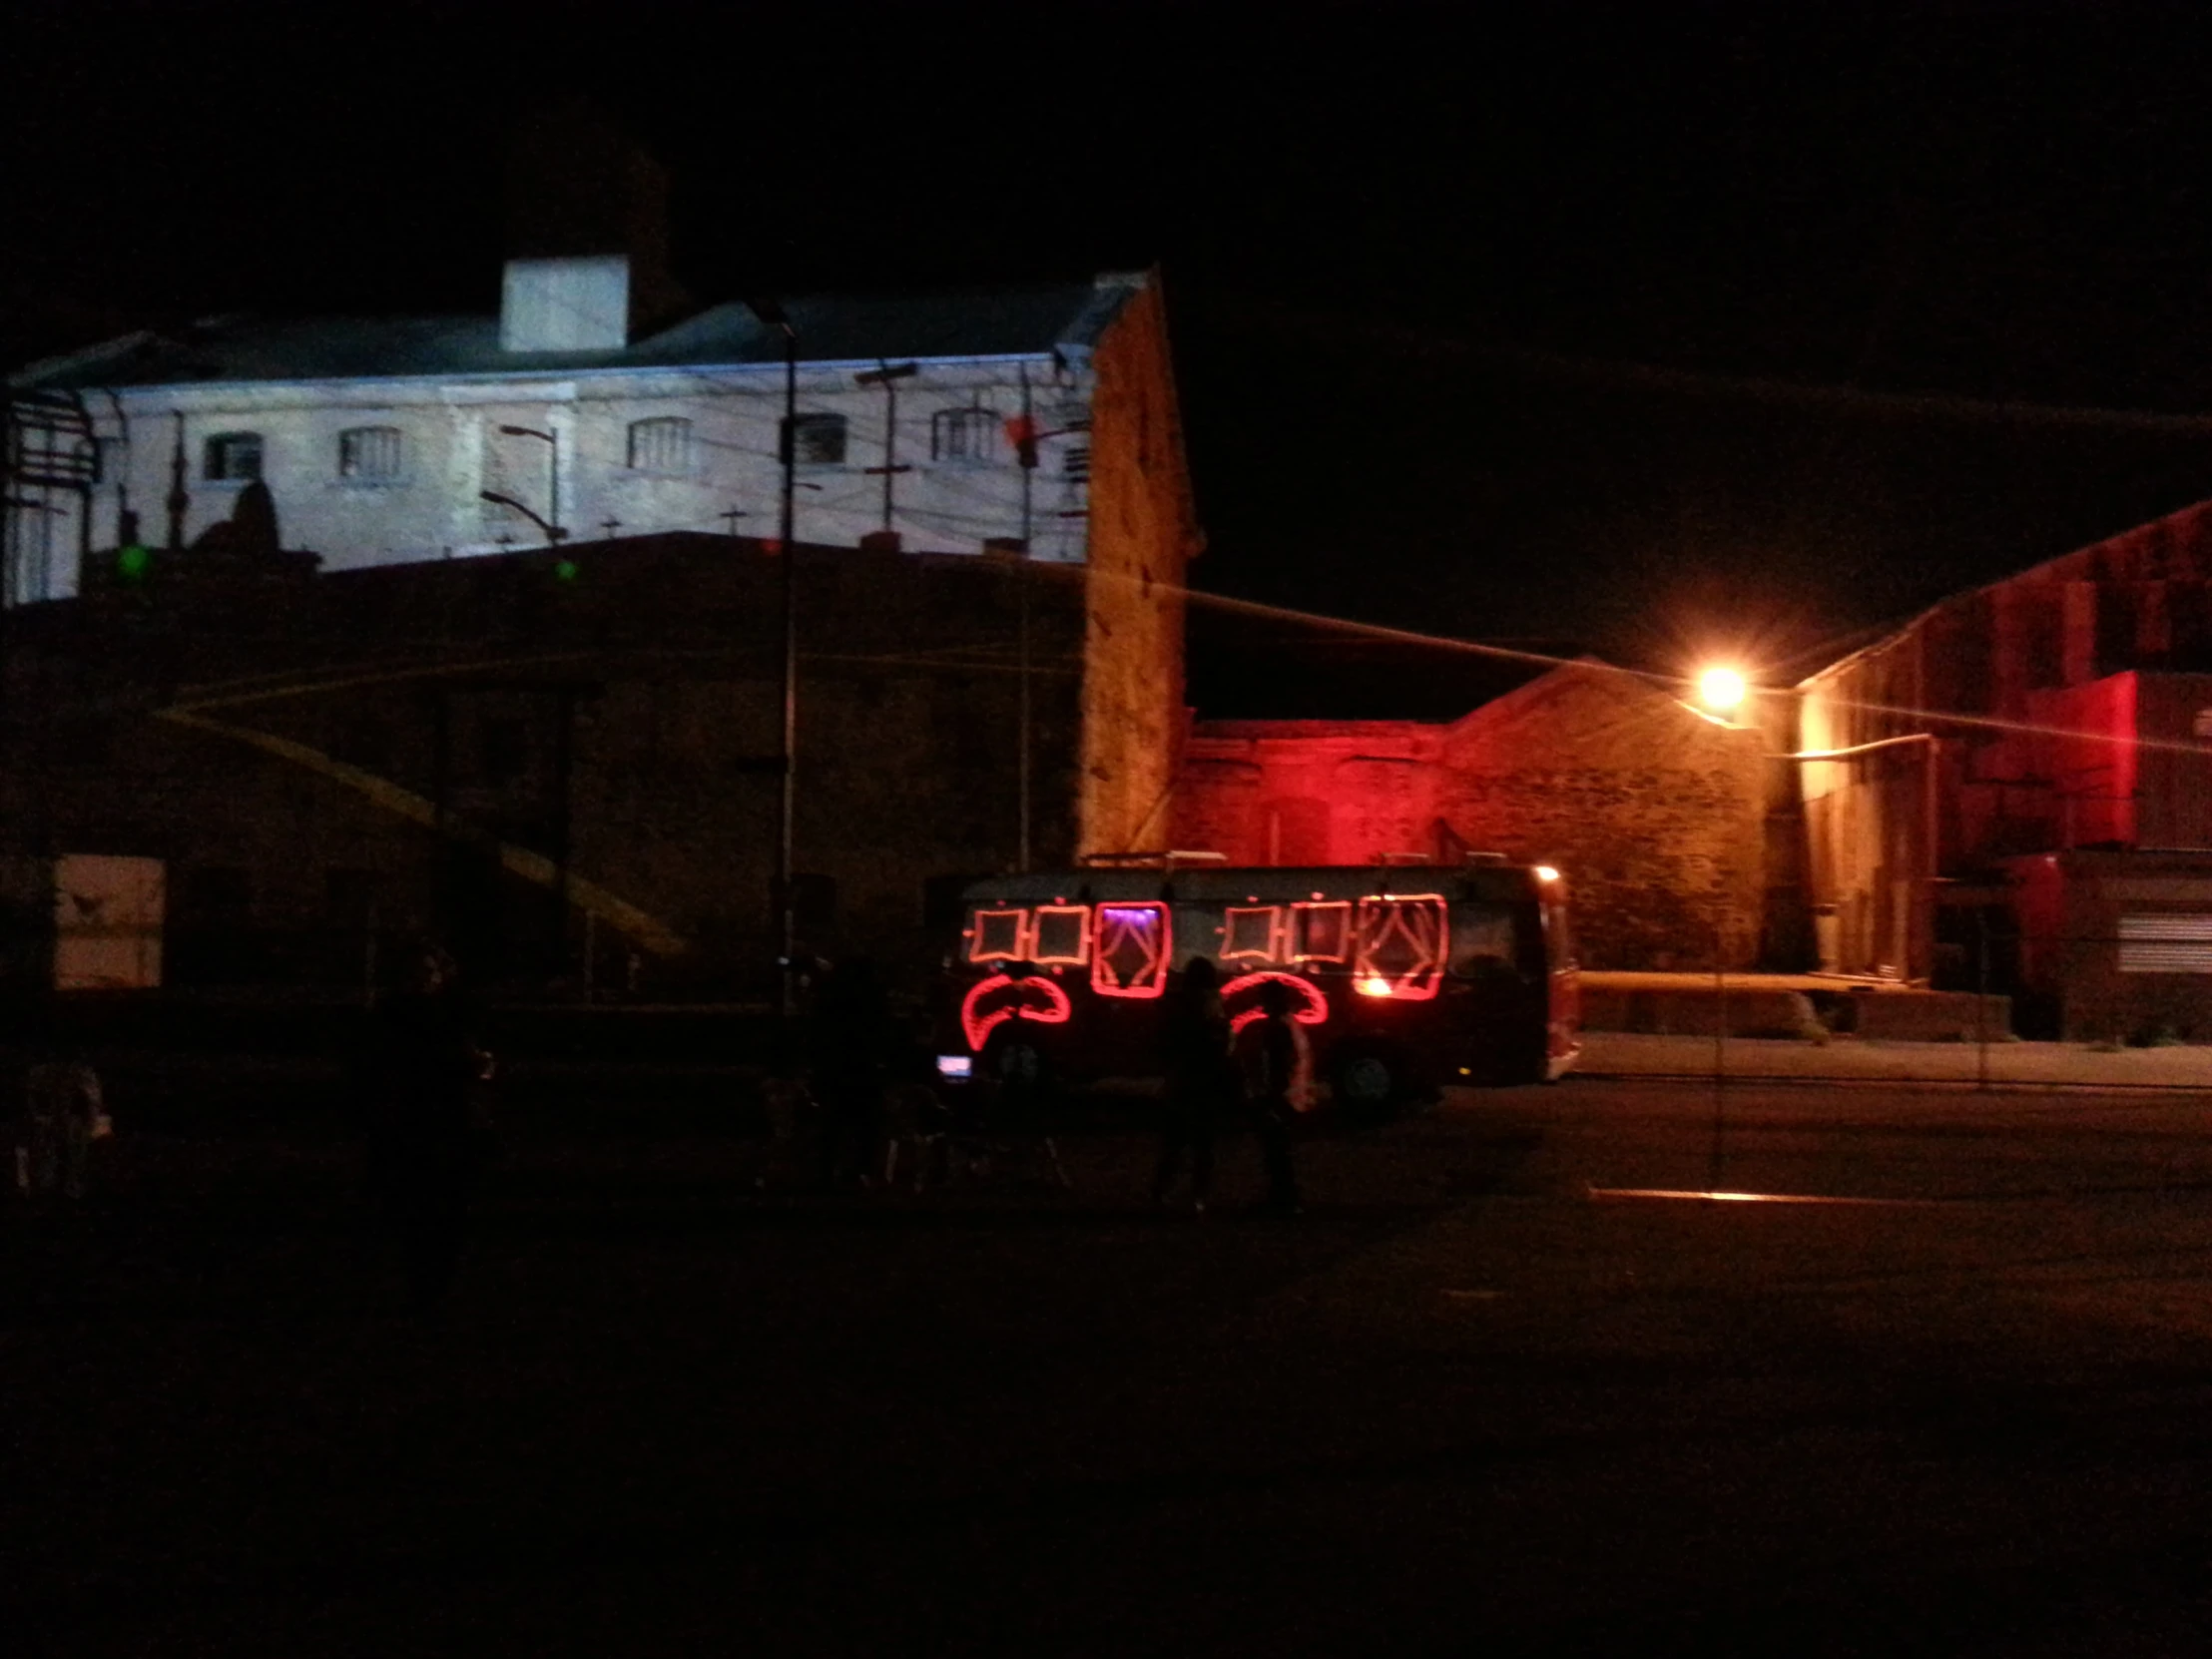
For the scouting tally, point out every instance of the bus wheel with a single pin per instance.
(1365, 1081)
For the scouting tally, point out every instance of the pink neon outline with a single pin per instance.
(977, 1029)
(1082, 933)
(1420, 983)
(977, 953)
(1157, 982)
(1344, 905)
(1314, 1012)
(1274, 951)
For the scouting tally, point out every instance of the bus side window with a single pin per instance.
(1132, 950)
(1483, 938)
(1251, 934)
(1320, 931)
(1405, 941)
(1061, 933)
(999, 936)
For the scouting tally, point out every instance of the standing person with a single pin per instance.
(851, 1042)
(422, 1137)
(61, 1098)
(1200, 1081)
(1279, 1081)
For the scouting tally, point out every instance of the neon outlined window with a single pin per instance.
(1130, 951)
(1060, 934)
(1252, 933)
(999, 936)
(1320, 931)
(1403, 942)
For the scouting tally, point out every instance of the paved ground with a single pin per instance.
(1476, 1399)
(1852, 1059)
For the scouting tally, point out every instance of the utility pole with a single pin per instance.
(551, 523)
(786, 547)
(1027, 455)
(887, 375)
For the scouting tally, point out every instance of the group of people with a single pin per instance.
(1220, 1078)
(422, 1072)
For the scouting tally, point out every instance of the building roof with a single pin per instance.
(1030, 320)
(2175, 547)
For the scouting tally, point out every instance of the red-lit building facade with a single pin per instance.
(1675, 833)
(2020, 792)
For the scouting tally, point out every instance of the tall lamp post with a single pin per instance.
(772, 313)
(551, 523)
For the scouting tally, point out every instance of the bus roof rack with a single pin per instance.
(1166, 858)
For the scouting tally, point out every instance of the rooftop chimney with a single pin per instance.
(587, 236)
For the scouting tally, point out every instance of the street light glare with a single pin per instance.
(1720, 688)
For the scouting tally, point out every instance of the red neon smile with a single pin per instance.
(978, 1022)
(1314, 1004)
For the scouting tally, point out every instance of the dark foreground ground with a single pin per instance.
(1461, 1405)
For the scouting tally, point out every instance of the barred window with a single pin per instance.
(232, 457)
(661, 444)
(819, 440)
(369, 454)
(964, 435)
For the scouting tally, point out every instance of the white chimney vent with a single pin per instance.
(574, 304)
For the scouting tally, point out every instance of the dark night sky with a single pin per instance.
(1422, 269)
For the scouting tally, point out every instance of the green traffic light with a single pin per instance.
(564, 570)
(133, 562)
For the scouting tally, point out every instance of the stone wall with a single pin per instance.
(484, 746)
(1656, 815)
(1143, 535)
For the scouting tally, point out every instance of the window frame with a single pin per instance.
(1383, 914)
(1151, 981)
(677, 430)
(981, 948)
(357, 437)
(965, 419)
(224, 444)
(1276, 949)
(1299, 930)
(793, 435)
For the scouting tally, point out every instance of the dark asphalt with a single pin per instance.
(1462, 1405)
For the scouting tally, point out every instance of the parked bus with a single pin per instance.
(1407, 977)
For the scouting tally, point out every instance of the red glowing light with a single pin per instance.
(1403, 941)
(978, 1022)
(1311, 1010)
(1131, 952)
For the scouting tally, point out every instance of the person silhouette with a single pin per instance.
(1277, 1069)
(1201, 1085)
(422, 1142)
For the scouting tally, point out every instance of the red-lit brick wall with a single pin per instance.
(1657, 817)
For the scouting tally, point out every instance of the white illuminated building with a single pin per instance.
(391, 440)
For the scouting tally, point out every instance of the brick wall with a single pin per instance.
(1143, 533)
(1656, 815)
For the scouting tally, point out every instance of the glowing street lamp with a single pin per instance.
(1721, 690)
